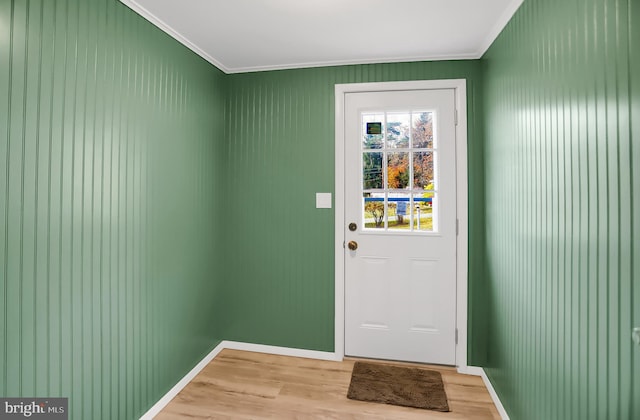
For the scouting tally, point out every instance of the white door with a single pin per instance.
(400, 212)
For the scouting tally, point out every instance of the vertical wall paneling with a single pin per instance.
(634, 110)
(5, 93)
(110, 133)
(280, 152)
(561, 109)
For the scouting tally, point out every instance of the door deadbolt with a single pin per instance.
(353, 245)
(353, 227)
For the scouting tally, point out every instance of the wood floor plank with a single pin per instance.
(246, 385)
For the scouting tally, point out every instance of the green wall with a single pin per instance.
(151, 205)
(139, 224)
(562, 100)
(279, 264)
(110, 137)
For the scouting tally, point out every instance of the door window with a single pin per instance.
(399, 171)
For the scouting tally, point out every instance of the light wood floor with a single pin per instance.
(246, 385)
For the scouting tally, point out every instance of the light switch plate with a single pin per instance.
(323, 200)
(635, 335)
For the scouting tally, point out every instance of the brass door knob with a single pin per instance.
(353, 245)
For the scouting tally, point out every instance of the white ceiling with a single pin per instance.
(253, 35)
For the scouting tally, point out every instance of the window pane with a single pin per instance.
(372, 177)
(398, 170)
(373, 210)
(372, 131)
(423, 170)
(399, 211)
(422, 124)
(422, 212)
(398, 130)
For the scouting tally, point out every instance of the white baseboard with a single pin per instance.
(233, 345)
(166, 399)
(287, 351)
(494, 396)
(470, 370)
(280, 351)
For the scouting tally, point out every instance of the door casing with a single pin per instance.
(459, 86)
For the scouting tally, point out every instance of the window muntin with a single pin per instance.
(399, 171)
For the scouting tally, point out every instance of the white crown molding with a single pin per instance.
(474, 55)
(502, 22)
(172, 32)
(468, 56)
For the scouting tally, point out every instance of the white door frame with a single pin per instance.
(460, 87)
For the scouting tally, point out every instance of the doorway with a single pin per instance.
(401, 206)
